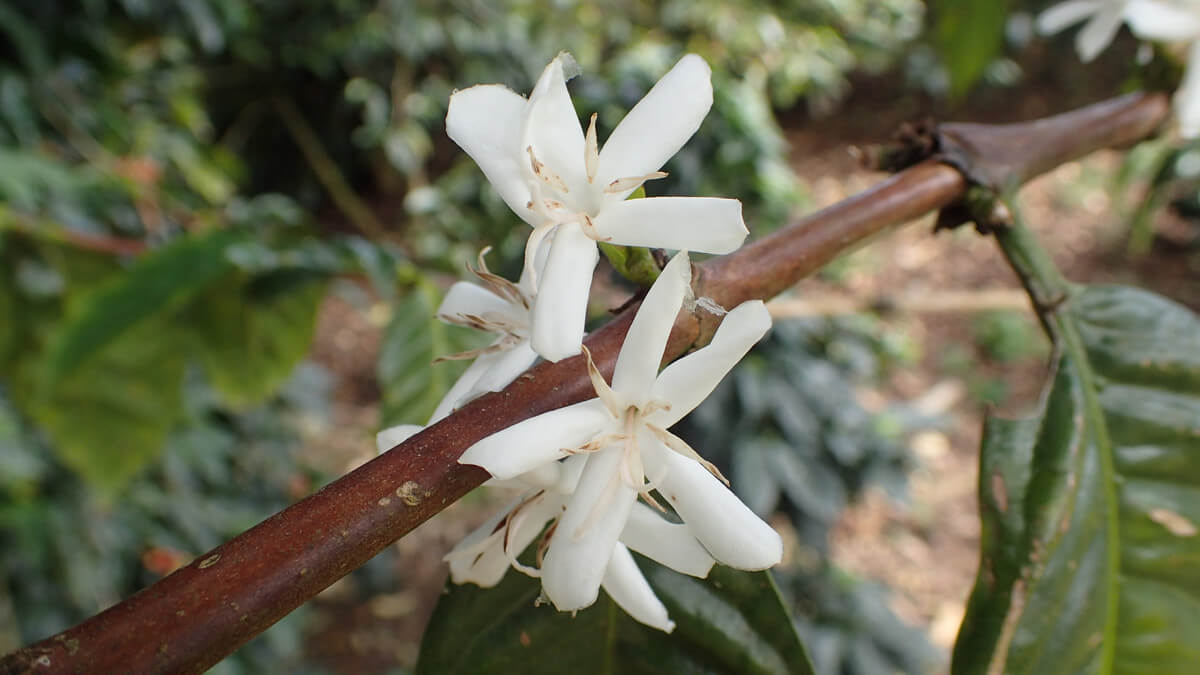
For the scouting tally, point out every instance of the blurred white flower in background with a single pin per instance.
(1169, 21)
(1103, 19)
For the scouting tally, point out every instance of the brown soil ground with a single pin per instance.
(924, 549)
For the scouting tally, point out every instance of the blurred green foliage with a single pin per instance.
(66, 553)
(179, 180)
(788, 430)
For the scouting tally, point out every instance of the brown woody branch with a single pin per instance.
(194, 617)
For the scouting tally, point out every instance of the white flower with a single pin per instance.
(498, 306)
(1174, 22)
(623, 436)
(484, 556)
(1103, 21)
(555, 177)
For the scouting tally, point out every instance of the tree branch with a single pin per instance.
(194, 617)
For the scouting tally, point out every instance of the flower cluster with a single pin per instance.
(557, 178)
(1169, 21)
(581, 469)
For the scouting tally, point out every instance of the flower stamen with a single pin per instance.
(545, 174)
(498, 284)
(604, 392)
(680, 446)
(589, 228)
(632, 182)
(591, 153)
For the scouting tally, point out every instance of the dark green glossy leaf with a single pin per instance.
(157, 283)
(968, 35)
(251, 333)
(732, 622)
(1090, 509)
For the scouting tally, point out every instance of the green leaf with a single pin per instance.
(157, 283)
(634, 263)
(732, 622)
(412, 387)
(251, 333)
(110, 417)
(1090, 509)
(968, 35)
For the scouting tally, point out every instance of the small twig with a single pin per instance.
(99, 243)
(326, 170)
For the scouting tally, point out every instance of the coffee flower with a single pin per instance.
(1174, 22)
(494, 305)
(557, 178)
(1168, 21)
(484, 555)
(1103, 19)
(623, 436)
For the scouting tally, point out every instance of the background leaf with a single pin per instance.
(157, 282)
(110, 417)
(968, 34)
(252, 332)
(732, 622)
(412, 388)
(1090, 508)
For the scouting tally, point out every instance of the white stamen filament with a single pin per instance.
(545, 173)
(591, 153)
(632, 182)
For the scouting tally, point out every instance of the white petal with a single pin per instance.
(523, 446)
(1157, 20)
(667, 543)
(471, 560)
(585, 537)
(467, 298)
(392, 436)
(704, 224)
(535, 271)
(659, 124)
(552, 125)
(642, 352)
(1065, 14)
(509, 364)
(626, 585)
(486, 122)
(688, 381)
(560, 308)
(727, 527)
(1187, 97)
(572, 469)
(465, 387)
(1098, 33)
(548, 475)
(486, 565)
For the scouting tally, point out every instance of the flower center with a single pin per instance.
(553, 201)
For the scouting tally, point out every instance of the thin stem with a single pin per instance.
(1047, 287)
(326, 170)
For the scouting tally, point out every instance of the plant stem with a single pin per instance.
(1047, 287)
(327, 172)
